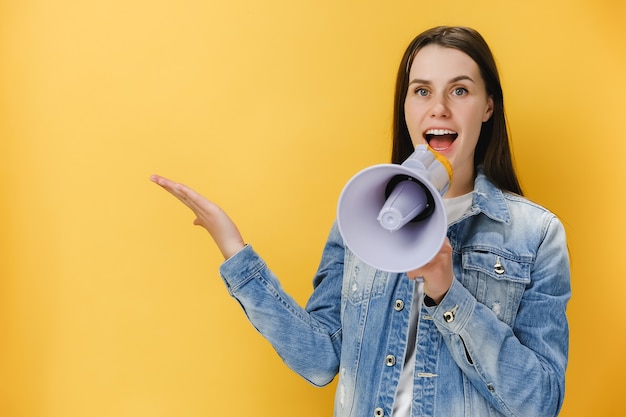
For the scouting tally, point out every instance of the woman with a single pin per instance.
(484, 331)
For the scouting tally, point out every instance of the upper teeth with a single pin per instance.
(439, 132)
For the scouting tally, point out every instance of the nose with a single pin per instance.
(439, 107)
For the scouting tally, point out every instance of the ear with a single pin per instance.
(488, 109)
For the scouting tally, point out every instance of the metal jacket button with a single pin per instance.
(498, 268)
(390, 360)
(379, 412)
(398, 305)
(448, 316)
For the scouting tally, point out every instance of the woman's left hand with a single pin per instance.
(437, 274)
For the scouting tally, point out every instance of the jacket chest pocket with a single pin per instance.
(496, 280)
(361, 281)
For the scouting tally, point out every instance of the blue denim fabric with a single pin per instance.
(496, 345)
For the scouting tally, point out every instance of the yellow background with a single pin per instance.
(110, 301)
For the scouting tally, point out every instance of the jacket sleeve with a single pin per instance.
(307, 339)
(520, 370)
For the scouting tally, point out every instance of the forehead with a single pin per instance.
(434, 62)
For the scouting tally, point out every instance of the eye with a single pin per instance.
(459, 91)
(422, 92)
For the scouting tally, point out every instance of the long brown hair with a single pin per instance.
(493, 151)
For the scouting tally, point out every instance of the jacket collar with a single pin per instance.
(489, 199)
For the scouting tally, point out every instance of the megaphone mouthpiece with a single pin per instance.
(406, 202)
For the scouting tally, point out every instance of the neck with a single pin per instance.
(461, 184)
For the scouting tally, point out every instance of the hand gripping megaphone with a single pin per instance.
(392, 216)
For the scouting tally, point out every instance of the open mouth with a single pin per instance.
(440, 139)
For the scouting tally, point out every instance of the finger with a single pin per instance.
(206, 211)
(165, 183)
(185, 194)
(414, 275)
(188, 195)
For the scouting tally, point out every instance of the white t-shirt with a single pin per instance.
(455, 208)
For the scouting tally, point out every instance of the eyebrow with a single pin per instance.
(453, 80)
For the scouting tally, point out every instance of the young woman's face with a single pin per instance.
(446, 105)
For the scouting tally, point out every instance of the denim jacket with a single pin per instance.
(496, 345)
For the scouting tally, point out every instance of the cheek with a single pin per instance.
(408, 115)
(416, 135)
(412, 119)
(475, 121)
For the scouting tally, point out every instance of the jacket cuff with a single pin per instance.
(240, 268)
(453, 312)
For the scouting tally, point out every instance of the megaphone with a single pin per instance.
(392, 216)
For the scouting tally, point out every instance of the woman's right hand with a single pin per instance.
(208, 215)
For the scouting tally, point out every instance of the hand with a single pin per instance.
(208, 215)
(437, 274)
